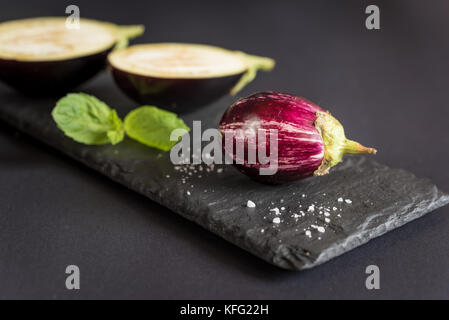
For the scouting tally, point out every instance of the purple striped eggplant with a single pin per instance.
(306, 139)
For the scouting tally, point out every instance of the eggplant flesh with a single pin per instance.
(179, 77)
(41, 56)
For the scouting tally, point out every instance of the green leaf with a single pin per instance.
(88, 120)
(153, 126)
(117, 134)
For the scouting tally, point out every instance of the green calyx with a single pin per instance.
(126, 33)
(254, 64)
(335, 142)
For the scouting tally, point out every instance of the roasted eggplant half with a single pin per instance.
(182, 77)
(44, 56)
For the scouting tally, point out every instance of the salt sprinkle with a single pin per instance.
(320, 229)
(311, 208)
(250, 204)
(188, 193)
(340, 199)
(276, 211)
(309, 234)
(327, 220)
(277, 220)
(348, 201)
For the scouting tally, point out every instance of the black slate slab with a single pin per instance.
(382, 198)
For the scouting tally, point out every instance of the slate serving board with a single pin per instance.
(376, 198)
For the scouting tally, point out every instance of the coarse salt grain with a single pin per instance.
(340, 200)
(348, 201)
(276, 211)
(250, 204)
(320, 229)
(276, 220)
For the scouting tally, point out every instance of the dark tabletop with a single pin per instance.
(389, 87)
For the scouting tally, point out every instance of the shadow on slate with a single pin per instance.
(382, 198)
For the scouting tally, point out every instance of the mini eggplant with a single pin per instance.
(309, 140)
(44, 56)
(182, 77)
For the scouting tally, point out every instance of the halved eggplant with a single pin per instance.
(43, 56)
(182, 77)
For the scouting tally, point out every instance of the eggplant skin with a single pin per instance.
(288, 119)
(51, 78)
(178, 95)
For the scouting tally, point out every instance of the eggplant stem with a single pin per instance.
(131, 31)
(125, 33)
(354, 147)
(254, 64)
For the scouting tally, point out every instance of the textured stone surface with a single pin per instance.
(382, 198)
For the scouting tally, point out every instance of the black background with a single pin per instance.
(389, 87)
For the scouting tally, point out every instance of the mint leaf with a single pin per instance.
(153, 126)
(88, 120)
(117, 134)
